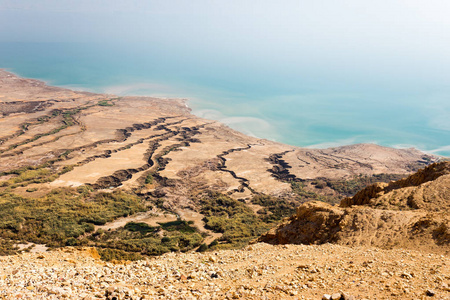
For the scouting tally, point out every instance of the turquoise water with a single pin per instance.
(307, 106)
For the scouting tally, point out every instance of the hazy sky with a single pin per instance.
(404, 37)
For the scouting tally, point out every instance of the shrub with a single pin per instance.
(7, 247)
(179, 225)
(143, 228)
(61, 214)
(117, 255)
(203, 247)
(279, 208)
(234, 219)
(105, 103)
(149, 179)
(349, 187)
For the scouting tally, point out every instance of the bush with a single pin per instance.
(234, 219)
(149, 179)
(146, 240)
(203, 247)
(105, 103)
(213, 243)
(279, 208)
(179, 225)
(143, 228)
(349, 187)
(117, 255)
(7, 247)
(61, 215)
(30, 176)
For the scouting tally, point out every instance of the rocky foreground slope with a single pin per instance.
(259, 271)
(412, 213)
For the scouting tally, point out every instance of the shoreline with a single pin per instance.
(230, 120)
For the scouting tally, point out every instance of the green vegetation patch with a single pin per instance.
(304, 195)
(105, 103)
(33, 174)
(143, 228)
(27, 176)
(275, 209)
(68, 118)
(145, 240)
(63, 215)
(107, 254)
(238, 223)
(349, 187)
(8, 247)
(149, 178)
(179, 225)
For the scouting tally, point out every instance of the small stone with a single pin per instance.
(109, 290)
(430, 293)
(326, 297)
(406, 275)
(336, 296)
(346, 296)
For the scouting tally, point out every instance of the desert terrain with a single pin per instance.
(128, 178)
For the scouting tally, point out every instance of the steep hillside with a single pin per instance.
(412, 213)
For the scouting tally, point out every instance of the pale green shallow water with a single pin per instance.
(302, 107)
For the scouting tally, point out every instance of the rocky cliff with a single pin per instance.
(411, 213)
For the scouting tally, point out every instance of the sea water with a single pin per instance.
(297, 106)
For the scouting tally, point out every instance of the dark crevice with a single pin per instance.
(158, 162)
(123, 135)
(245, 183)
(280, 169)
(339, 159)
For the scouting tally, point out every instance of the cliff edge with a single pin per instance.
(411, 213)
